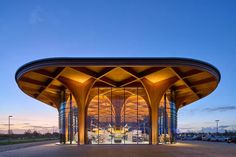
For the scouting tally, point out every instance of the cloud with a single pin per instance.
(21, 127)
(26, 123)
(42, 127)
(17, 124)
(220, 108)
(6, 124)
(36, 16)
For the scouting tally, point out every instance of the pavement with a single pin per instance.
(24, 145)
(181, 149)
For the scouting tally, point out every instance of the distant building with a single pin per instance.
(117, 100)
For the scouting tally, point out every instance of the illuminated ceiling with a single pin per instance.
(40, 79)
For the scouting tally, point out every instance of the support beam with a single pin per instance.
(149, 71)
(131, 72)
(203, 81)
(86, 71)
(191, 73)
(56, 74)
(46, 73)
(155, 92)
(98, 76)
(108, 81)
(177, 73)
(127, 81)
(80, 93)
(144, 73)
(32, 81)
(196, 83)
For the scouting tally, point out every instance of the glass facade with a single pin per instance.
(118, 116)
(167, 118)
(68, 119)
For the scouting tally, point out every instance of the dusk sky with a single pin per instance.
(199, 29)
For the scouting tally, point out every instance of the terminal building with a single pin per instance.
(117, 100)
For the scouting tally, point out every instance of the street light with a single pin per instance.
(9, 129)
(217, 124)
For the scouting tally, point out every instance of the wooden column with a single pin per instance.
(80, 92)
(155, 91)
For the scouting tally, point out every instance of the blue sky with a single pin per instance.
(199, 29)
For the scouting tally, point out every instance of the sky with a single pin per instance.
(199, 29)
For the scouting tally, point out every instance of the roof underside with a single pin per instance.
(40, 79)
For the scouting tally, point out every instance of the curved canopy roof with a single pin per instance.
(40, 79)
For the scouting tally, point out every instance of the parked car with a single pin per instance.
(207, 137)
(220, 138)
(187, 138)
(213, 139)
(197, 137)
(232, 139)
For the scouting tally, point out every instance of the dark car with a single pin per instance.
(232, 139)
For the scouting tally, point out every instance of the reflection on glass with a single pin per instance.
(167, 119)
(118, 116)
(68, 120)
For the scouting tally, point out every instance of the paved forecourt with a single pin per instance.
(182, 149)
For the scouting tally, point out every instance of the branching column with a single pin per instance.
(155, 91)
(80, 93)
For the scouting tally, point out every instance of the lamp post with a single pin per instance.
(217, 124)
(9, 127)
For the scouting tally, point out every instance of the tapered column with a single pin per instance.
(80, 93)
(155, 91)
(81, 124)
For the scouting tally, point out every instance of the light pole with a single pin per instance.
(217, 124)
(9, 127)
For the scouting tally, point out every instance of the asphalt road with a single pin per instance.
(182, 149)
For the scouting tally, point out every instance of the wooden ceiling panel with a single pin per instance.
(179, 83)
(199, 76)
(35, 76)
(160, 75)
(56, 83)
(118, 75)
(29, 85)
(203, 87)
(139, 69)
(75, 75)
(184, 69)
(51, 69)
(96, 69)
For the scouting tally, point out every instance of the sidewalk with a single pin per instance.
(24, 145)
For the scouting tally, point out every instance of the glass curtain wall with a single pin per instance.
(118, 116)
(167, 118)
(100, 117)
(68, 119)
